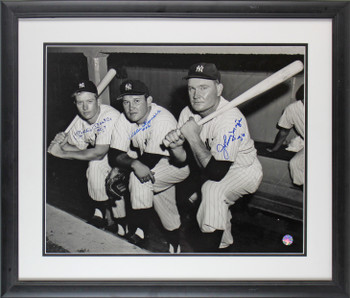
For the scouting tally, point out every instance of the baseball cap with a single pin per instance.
(203, 71)
(133, 87)
(86, 86)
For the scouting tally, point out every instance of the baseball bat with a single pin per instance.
(258, 89)
(106, 80)
(100, 88)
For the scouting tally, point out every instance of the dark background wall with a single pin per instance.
(65, 179)
(63, 72)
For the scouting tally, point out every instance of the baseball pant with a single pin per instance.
(227, 238)
(160, 194)
(296, 166)
(217, 196)
(96, 179)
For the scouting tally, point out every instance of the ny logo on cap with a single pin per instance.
(199, 68)
(82, 85)
(128, 86)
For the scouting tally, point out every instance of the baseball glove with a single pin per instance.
(117, 184)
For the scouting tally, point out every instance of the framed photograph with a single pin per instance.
(285, 238)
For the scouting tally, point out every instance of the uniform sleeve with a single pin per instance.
(157, 135)
(120, 138)
(286, 120)
(77, 137)
(228, 139)
(105, 128)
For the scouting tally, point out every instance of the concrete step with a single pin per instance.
(76, 236)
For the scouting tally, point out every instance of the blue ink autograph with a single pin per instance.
(97, 127)
(231, 137)
(145, 125)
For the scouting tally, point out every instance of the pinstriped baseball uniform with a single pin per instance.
(148, 137)
(227, 138)
(293, 116)
(84, 134)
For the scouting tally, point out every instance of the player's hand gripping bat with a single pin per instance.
(265, 85)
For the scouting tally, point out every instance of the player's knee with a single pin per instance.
(97, 188)
(211, 188)
(95, 172)
(94, 166)
(206, 187)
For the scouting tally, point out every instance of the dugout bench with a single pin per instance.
(277, 194)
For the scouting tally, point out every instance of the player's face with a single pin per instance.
(204, 95)
(88, 106)
(137, 107)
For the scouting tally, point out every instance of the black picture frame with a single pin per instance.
(338, 11)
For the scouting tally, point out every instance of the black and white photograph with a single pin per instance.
(181, 149)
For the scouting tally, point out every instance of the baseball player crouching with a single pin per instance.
(93, 128)
(223, 151)
(153, 175)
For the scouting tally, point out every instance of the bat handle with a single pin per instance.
(106, 80)
(166, 143)
(71, 124)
